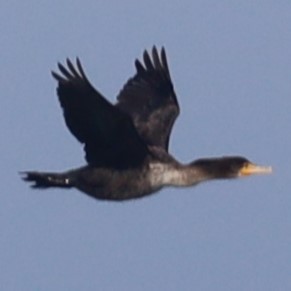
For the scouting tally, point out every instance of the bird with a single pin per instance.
(126, 144)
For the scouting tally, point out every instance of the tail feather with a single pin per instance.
(45, 180)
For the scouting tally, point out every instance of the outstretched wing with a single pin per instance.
(109, 134)
(149, 98)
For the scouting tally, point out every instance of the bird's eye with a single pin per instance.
(246, 164)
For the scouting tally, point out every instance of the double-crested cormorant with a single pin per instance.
(126, 144)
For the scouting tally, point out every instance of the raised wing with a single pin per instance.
(150, 100)
(109, 134)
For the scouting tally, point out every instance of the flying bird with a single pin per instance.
(127, 144)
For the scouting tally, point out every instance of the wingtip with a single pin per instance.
(80, 69)
(163, 51)
(78, 62)
(139, 67)
(56, 76)
(69, 63)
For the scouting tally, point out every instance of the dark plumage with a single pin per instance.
(126, 144)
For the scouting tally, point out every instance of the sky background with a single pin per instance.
(231, 66)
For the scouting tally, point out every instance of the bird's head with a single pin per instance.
(228, 167)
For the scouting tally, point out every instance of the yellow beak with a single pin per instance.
(251, 169)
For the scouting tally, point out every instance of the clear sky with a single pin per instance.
(231, 66)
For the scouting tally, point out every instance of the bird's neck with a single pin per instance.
(176, 175)
(191, 175)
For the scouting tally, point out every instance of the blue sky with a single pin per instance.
(231, 66)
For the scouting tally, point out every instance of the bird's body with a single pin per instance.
(126, 144)
(158, 170)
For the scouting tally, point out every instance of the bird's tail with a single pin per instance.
(45, 180)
